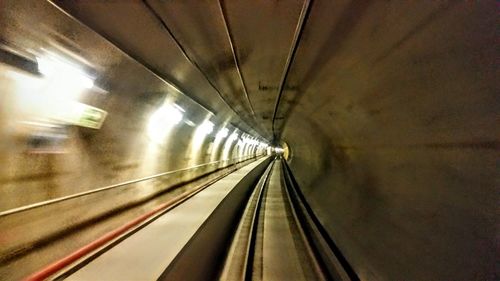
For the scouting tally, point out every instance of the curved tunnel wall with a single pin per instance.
(150, 128)
(390, 111)
(131, 143)
(398, 155)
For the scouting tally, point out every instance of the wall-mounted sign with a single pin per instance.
(80, 114)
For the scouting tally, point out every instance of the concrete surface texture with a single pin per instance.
(46, 156)
(389, 110)
(284, 254)
(146, 254)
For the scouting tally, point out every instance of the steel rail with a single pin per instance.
(85, 193)
(250, 247)
(329, 257)
(317, 262)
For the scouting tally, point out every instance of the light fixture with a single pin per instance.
(222, 133)
(233, 137)
(67, 75)
(206, 127)
(162, 120)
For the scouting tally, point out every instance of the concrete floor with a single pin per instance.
(148, 252)
(284, 253)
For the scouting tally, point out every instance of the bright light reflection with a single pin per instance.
(44, 105)
(198, 139)
(241, 148)
(65, 82)
(179, 108)
(161, 121)
(222, 133)
(206, 127)
(190, 123)
(56, 100)
(233, 137)
(228, 144)
(67, 74)
(241, 143)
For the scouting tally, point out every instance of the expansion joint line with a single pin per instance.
(185, 54)
(235, 57)
(304, 14)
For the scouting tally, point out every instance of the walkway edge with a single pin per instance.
(60, 264)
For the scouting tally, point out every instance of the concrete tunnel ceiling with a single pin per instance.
(390, 109)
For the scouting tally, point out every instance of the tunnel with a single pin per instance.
(169, 140)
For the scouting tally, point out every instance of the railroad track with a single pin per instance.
(274, 239)
(251, 225)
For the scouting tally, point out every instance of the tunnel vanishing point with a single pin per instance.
(249, 140)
